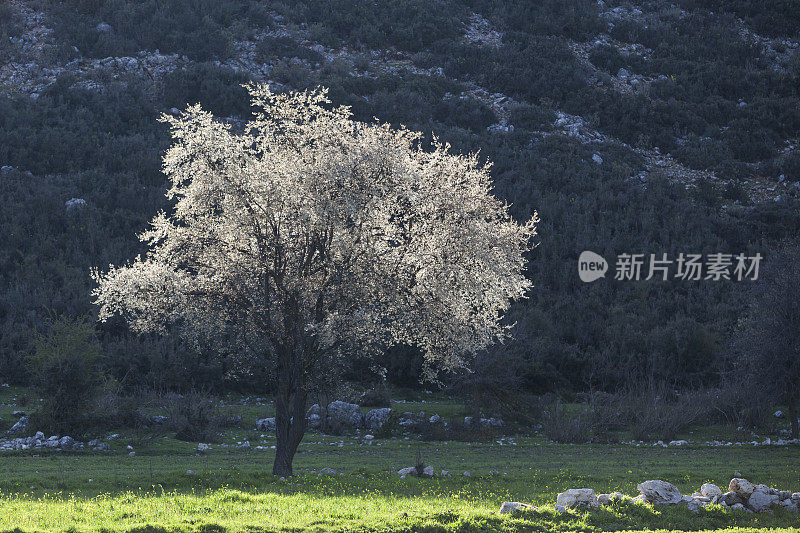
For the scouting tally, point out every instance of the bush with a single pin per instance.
(376, 397)
(195, 417)
(562, 426)
(661, 413)
(65, 371)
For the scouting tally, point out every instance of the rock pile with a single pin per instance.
(741, 495)
(39, 441)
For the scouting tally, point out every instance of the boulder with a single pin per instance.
(510, 507)
(201, 447)
(314, 422)
(560, 509)
(315, 410)
(18, 414)
(789, 505)
(376, 418)
(435, 419)
(729, 498)
(603, 499)
(345, 414)
(761, 500)
(660, 492)
(265, 424)
(66, 443)
(20, 427)
(407, 471)
(709, 490)
(742, 487)
(577, 498)
(328, 471)
(427, 471)
(597, 159)
(75, 203)
(694, 505)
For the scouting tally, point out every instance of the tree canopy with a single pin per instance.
(310, 237)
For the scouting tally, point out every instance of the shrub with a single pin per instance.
(562, 426)
(376, 397)
(195, 417)
(65, 371)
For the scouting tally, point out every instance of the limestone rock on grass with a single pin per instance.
(577, 498)
(660, 492)
(345, 414)
(709, 490)
(376, 418)
(510, 507)
(761, 500)
(742, 487)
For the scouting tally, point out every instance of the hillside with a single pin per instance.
(632, 127)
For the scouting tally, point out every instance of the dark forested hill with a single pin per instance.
(632, 127)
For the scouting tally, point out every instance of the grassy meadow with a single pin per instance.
(168, 486)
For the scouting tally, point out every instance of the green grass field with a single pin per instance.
(232, 489)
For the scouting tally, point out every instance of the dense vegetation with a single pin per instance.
(105, 147)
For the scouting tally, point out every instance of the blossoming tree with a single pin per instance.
(315, 237)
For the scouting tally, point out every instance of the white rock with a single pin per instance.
(328, 471)
(201, 447)
(709, 490)
(510, 507)
(789, 505)
(446, 473)
(427, 471)
(265, 424)
(597, 159)
(761, 500)
(346, 414)
(75, 203)
(407, 471)
(741, 487)
(466, 473)
(560, 509)
(577, 498)
(678, 442)
(376, 418)
(660, 492)
(132, 454)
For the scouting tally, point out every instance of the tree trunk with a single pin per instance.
(793, 419)
(290, 406)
